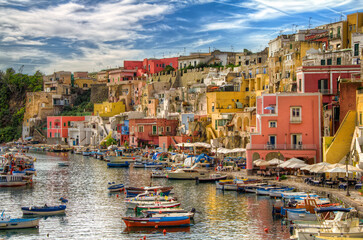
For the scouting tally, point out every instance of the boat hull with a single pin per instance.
(19, 223)
(157, 222)
(44, 211)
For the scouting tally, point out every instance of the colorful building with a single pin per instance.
(84, 82)
(150, 66)
(146, 131)
(287, 126)
(123, 133)
(57, 126)
(109, 109)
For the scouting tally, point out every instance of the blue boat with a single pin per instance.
(6, 222)
(118, 164)
(115, 187)
(44, 210)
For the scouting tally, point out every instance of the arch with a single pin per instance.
(239, 124)
(246, 123)
(272, 155)
(255, 156)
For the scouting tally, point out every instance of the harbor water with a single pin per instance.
(93, 213)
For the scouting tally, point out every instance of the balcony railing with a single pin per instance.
(282, 146)
(295, 120)
(324, 91)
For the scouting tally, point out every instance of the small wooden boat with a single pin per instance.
(157, 206)
(44, 210)
(149, 197)
(118, 164)
(169, 213)
(115, 187)
(157, 221)
(6, 222)
(213, 177)
(63, 164)
(134, 191)
(134, 203)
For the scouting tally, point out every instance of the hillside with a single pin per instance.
(13, 88)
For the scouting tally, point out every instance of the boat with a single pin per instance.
(149, 197)
(117, 164)
(155, 222)
(158, 174)
(278, 193)
(160, 202)
(155, 206)
(6, 222)
(12, 181)
(189, 214)
(115, 187)
(213, 177)
(63, 164)
(134, 191)
(187, 174)
(44, 210)
(348, 228)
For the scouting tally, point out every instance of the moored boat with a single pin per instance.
(157, 206)
(181, 221)
(134, 191)
(6, 222)
(115, 187)
(213, 177)
(44, 210)
(12, 181)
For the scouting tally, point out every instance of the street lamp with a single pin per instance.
(347, 174)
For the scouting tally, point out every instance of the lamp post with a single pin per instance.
(347, 174)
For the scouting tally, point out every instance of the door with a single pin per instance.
(154, 130)
(272, 141)
(296, 141)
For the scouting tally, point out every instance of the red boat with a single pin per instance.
(182, 221)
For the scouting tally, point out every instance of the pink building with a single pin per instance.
(287, 125)
(120, 75)
(150, 66)
(147, 130)
(57, 126)
(324, 79)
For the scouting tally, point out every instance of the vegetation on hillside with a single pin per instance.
(82, 105)
(13, 88)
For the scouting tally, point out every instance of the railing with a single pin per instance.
(324, 91)
(282, 146)
(295, 120)
(153, 134)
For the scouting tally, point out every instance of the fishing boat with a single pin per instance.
(278, 193)
(160, 202)
(213, 177)
(12, 181)
(44, 210)
(134, 191)
(187, 174)
(118, 164)
(189, 214)
(6, 222)
(156, 206)
(146, 196)
(158, 174)
(157, 221)
(115, 187)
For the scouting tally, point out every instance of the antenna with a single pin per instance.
(21, 69)
(309, 22)
(184, 51)
(232, 50)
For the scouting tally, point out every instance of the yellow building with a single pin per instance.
(355, 24)
(84, 83)
(360, 107)
(107, 109)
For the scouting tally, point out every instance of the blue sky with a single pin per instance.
(90, 35)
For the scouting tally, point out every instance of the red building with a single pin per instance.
(146, 131)
(150, 66)
(57, 126)
(166, 141)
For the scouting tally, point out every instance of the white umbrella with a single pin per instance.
(263, 163)
(290, 161)
(296, 165)
(338, 170)
(295, 160)
(257, 161)
(275, 161)
(321, 167)
(308, 167)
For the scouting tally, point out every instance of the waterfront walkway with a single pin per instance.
(354, 200)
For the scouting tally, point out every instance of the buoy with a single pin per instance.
(164, 231)
(266, 230)
(144, 237)
(117, 195)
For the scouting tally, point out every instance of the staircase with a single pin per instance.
(210, 132)
(337, 147)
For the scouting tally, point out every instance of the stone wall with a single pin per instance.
(99, 93)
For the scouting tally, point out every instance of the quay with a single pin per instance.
(336, 195)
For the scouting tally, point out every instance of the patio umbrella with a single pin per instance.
(338, 170)
(263, 163)
(257, 161)
(275, 161)
(290, 161)
(321, 167)
(308, 167)
(296, 165)
(295, 160)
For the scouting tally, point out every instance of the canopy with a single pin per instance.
(226, 151)
(296, 165)
(291, 161)
(275, 161)
(338, 170)
(257, 161)
(196, 144)
(184, 145)
(262, 163)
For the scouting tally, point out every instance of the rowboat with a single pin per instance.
(134, 191)
(117, 164)
(177, 213)
(134, 203)
(157, 206)
(148, 197)
(157, 221)
(44, 210)
(115, 187)
(6, 222)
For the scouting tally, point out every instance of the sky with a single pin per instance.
(91, 35)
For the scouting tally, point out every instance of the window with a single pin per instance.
(356, 49)
(322, 62)
(295, 114)
(272, 124)
(296, 141)
(50, 124)
(323, 86)
(259, 60)
(338, 32)
(161, 130)
(64, 124)
(329, 61)
(271, 144)
(154, 130)
(69, 123)
(168, 129)
(85, 85)
(50, 135)
(300, 87)
(141, 129)
(339, 61)
(360, 119)
(212, 107)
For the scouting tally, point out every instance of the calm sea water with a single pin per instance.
(93, 213)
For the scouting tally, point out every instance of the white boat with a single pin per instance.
(6, 222)
(161, 202)
(12, 181)
(187, 173)
(172, 214)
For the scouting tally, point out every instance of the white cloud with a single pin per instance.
(202, 42)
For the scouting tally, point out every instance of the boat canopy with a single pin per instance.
(332, 209)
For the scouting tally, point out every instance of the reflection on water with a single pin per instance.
(93, 213)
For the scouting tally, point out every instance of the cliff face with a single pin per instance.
(13, 88)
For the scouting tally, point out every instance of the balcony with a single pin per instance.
(324, 91)
(154, 134)
(282, 147)
(295, 120)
